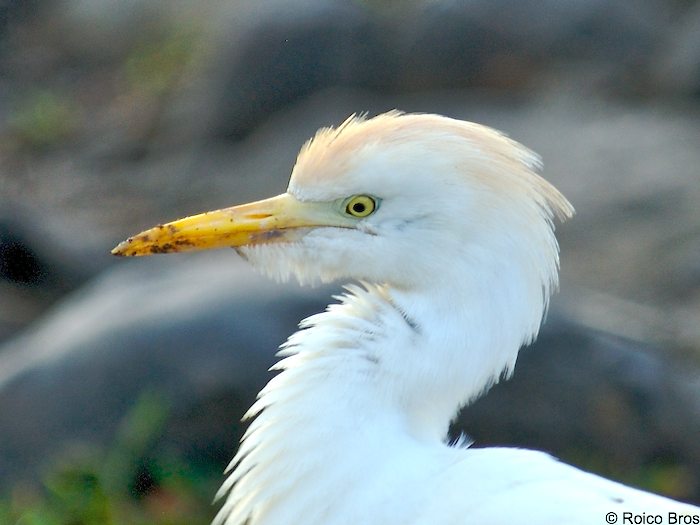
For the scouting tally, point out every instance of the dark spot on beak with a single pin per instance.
(163, 248)
(183, 242)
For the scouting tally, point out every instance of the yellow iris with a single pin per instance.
(360, 206)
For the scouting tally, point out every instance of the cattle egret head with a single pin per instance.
(412, 201)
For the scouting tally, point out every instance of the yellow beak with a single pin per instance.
(278, 219)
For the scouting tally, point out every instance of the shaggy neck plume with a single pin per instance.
(354, 388)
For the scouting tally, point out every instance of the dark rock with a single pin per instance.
(676, 69)
(631, 409)
(40, 260)
(18, 262)
(277, 52)
(36, 249)
(12, 12)
(200, 333)
(505, 43)
(99, 32)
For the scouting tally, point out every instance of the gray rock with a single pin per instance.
(676, 68)
(275, 52)
(40, 261)
(633, 409)
(188, 329)
(505, 43)
(270, 54)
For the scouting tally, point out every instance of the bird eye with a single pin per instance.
(360, 206)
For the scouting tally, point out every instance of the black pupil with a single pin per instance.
(358, 207)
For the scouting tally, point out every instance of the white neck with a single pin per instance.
(468, 338)
(385, 365)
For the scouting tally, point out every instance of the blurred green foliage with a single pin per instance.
(154, 66)
(43, 118)
(130, 484)
(122, 485)
(659, 475)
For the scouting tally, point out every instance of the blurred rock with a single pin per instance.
(18, 262)
(12, 11)
(143, 76)
(276, 54)
(100, 31)
(201, 331)
(676, 70)
(506, 43)
(633, 409)
(40, 260)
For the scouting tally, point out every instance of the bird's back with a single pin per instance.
(507, 486)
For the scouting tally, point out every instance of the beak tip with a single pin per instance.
(122, 249)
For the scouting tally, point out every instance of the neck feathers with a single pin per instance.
(308, 418)
(382, 366)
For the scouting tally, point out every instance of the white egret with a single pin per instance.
(449, 229)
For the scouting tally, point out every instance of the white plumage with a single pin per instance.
(449, 228)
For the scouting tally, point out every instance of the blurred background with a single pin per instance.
(122, 382)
